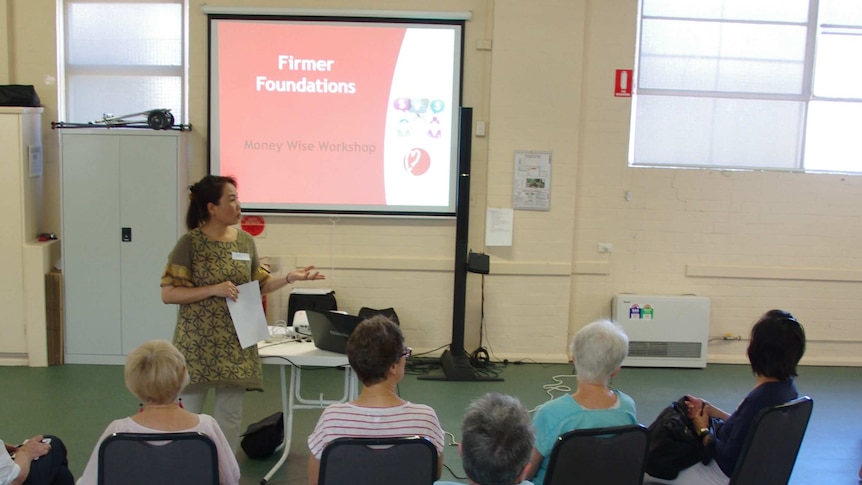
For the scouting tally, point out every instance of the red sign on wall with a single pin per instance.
(253, 225)
(623, 85)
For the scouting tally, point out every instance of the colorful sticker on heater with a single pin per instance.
(645, 313)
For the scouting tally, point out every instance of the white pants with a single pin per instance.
(696, 474)
(227, 411)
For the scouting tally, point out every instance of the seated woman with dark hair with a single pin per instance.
(377, 354)
(775, 347)
(156, 374)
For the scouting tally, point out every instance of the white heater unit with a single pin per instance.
(664, 331)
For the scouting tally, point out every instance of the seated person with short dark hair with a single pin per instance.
(496, 441)
(776, 344)
(377, 354)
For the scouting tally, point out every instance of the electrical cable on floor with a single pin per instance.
(485, 360)
(482, 365)
(453, 473)
(420, 354)
(556, 386)
(421, 367)
(481, 310)
(417, 365)
(483, 330)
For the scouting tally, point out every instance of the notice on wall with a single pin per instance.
(34, 154)
(498, 227)
(532, 184)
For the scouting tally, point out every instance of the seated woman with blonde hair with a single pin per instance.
(156, 374)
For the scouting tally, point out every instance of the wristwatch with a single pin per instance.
(702, 432)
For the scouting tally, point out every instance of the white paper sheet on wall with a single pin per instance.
(498, 227)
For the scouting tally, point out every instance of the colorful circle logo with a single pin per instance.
(402, 104)
(437, 106)
(417, 161)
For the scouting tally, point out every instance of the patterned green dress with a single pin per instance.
(205, 333)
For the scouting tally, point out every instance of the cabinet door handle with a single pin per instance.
(126, 234)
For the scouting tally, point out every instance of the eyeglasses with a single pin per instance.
(408, 352)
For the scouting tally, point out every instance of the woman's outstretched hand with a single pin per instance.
(305, 274)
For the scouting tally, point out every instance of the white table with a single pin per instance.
(297, 355)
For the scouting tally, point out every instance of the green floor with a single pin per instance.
(76, 402)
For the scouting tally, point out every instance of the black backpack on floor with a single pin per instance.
(262, 438)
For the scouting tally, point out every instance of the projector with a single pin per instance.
(301, 330)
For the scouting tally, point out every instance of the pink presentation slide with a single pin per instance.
(306, 102)
(310, 113)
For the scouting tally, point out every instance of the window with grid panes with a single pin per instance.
(756, 84)
(123, 57)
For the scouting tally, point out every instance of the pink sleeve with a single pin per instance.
(90, 475)
(228, 468)
(317, 439)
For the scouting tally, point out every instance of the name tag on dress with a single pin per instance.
(240, 256)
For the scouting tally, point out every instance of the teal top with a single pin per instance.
(564, 414)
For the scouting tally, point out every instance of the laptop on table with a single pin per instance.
(330, 330)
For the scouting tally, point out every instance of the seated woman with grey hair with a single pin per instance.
(496, 441)
(598, 350)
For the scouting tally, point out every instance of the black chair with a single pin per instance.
(600, 456)
(772, 444)
(163, 458)
(378, 461)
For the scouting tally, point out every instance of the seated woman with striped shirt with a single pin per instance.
(377, 354)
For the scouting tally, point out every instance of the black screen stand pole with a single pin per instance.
(455, 362)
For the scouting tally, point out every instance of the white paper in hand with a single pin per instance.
(247, 314)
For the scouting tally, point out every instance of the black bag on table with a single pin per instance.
(261, 439)
(305, 301)
(389, 313)
(674, 445)
(19, 95)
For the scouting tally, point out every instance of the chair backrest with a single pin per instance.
(600, 456)
(378, 461)
(163, 458)
(770, 449)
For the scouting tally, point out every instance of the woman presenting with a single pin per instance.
(204, 269)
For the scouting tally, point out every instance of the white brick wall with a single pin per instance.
(750, 241)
